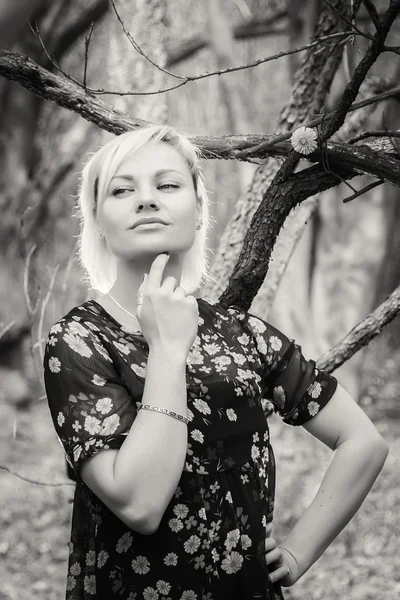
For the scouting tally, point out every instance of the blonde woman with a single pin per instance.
(158, 399)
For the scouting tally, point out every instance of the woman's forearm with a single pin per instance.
(350, 475)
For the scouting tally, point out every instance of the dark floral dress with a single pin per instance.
(210, 543)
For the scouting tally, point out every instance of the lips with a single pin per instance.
(149, 220)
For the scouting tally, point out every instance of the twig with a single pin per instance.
(374, 16)
(349, 23)
(377, 133)
(34, 481)
(87, 44)
(32, 311)
(371, 186)
(7, 328)
(138, 48)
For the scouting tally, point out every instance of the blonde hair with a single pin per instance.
(93, 253)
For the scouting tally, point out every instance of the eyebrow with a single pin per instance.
(160, 172)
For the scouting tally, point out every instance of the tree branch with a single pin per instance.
(361, 334)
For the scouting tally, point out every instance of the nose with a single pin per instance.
(146, 201)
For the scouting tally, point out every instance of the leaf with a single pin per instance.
(72, 398)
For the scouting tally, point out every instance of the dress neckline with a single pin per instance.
(114, 320)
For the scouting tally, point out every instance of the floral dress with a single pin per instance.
(210, 542)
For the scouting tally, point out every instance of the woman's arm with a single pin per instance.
(359, 455)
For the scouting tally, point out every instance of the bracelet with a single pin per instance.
(171, 413)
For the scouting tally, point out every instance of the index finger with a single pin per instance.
(157, 269)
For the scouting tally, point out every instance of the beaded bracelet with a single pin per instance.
(171, 413)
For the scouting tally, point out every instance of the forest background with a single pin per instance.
(333, 265)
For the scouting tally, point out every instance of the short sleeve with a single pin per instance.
(297, 389)
(90, 406)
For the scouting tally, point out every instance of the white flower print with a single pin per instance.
(77, 329)
(313, 408)
(124, 543)
(175, 525)
(71, 583)
(279, 396)
(244, 478)
(150, 593)
(54, 364)
(232, 539)
(195, 356)
(315, 389)
(140, 565)
(215, 555)
(189, 595)
(91, 326)
(211, 348)
(76, 426)
(89, 583)
(199, 562)
(71, 547)
(75, 569)
(139, 371)
(202, 406)
(97, 380)
(229, 497)
(192, 544)
(197, 436)
(189, 415)
(256, 437)
(77, 452)
(202, 513)
(261, 344)
(171, 560)
(245, 541)
(178, 492)
(255, 452)
(56, 328)
(232, 563)
(303, 140)
(275, 343)
(110, 425)
(90, 558)
(121, 347)
(102, 558)
(230, 413)
(243, 339)
(214, 487)
(163, 587)
(92, 425)
(239, 359)
(181, 511)
(104, 405)
(77, 345)
(257, 324)
(52, 341)
(60, 419)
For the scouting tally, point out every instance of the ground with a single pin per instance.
(363, 563)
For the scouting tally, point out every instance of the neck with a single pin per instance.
(129, 278)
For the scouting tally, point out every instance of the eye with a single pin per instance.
(168, 185)
(118, 191)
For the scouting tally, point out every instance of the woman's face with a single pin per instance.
(154, 181)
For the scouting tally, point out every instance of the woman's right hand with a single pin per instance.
(167, 316)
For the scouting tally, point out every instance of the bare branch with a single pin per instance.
(361, 334)
(138, 49)
(34, 481)
(6, 328)
(365, 189)
(352, 88)
(377, 133)
(77, 28)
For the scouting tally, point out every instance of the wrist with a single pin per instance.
(167, 354)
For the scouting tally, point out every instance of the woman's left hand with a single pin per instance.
(283, 566)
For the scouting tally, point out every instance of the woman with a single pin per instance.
(158, 400)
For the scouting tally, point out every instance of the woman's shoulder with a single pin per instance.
(85, 320)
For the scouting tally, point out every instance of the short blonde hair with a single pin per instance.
(93, 253)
